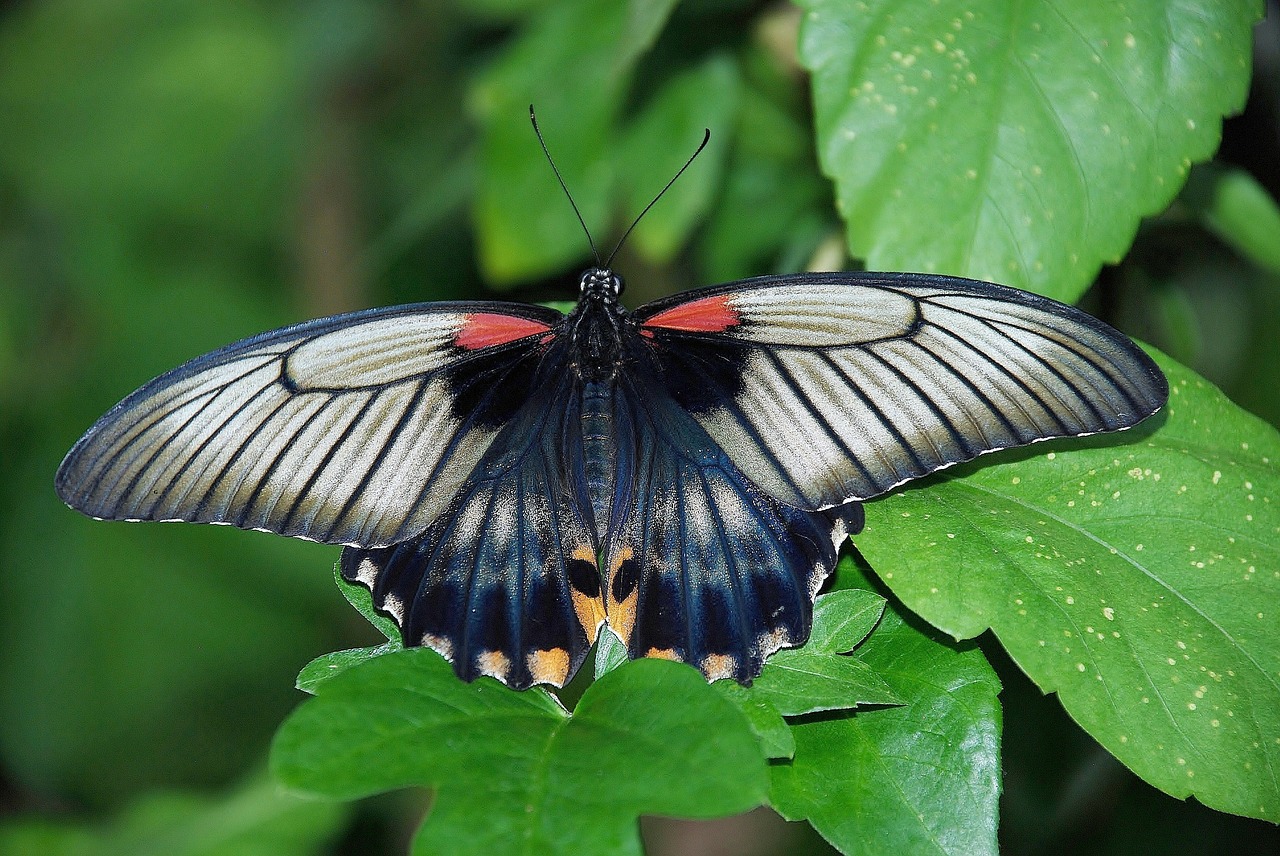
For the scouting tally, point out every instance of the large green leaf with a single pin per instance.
(514, 772)
(1136, 575)
(1018, 142)
(573, 61)
(921, 778)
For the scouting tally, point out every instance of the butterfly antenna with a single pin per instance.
(534, 119)
(706, 138)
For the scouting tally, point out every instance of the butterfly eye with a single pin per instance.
(617, 283)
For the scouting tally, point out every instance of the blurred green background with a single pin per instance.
(177, 175)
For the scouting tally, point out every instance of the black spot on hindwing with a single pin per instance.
(584, 576)
(625, 579)
(661, 623)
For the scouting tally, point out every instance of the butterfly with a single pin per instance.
(508, 480)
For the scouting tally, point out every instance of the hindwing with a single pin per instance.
(700, 565)
(505, 582)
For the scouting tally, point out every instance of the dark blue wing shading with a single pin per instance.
(351, 430)
(505, 582)
(702, 566)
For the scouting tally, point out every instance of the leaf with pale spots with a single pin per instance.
(1137, 575)
(514, 772)
(1017, 142)
(920, 778)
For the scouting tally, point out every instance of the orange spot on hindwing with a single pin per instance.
(584, 589)
(549, 667)
(624, 593)
(495, 664)
(717, 666)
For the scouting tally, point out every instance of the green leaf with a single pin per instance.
(765, 720)
(362, 599)
(611, 652)
(1236, 208)
(256, 820)
(327, 665)
(842, 619)
(1022, 142)
(818, 676)
(922, 778)
(797, 682)
(514, 771)
(702, 98)
(1137, 575)
(573, 62)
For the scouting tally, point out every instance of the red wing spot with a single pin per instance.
(707, 315)
(485, 329)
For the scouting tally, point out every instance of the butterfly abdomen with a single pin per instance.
(599, 450)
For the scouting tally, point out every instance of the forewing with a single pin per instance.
(355, 429)
(505, 583)
(701, 566)
(826, 388)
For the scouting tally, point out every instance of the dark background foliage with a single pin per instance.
(177, 175)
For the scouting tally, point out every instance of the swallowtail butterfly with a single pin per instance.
(507, 479)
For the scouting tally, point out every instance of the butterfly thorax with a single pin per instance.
(596, 326)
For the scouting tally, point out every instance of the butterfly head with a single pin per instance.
(596, 324)
(599, 285)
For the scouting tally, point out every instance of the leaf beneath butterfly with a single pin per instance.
(326, 666)
(1137, 575)
(821, 676)
(799, 682)
(1017, 142)
(842, 619)
(766, 721)
(920, 778)
(514, 773)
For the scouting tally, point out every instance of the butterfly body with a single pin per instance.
(508, 480)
